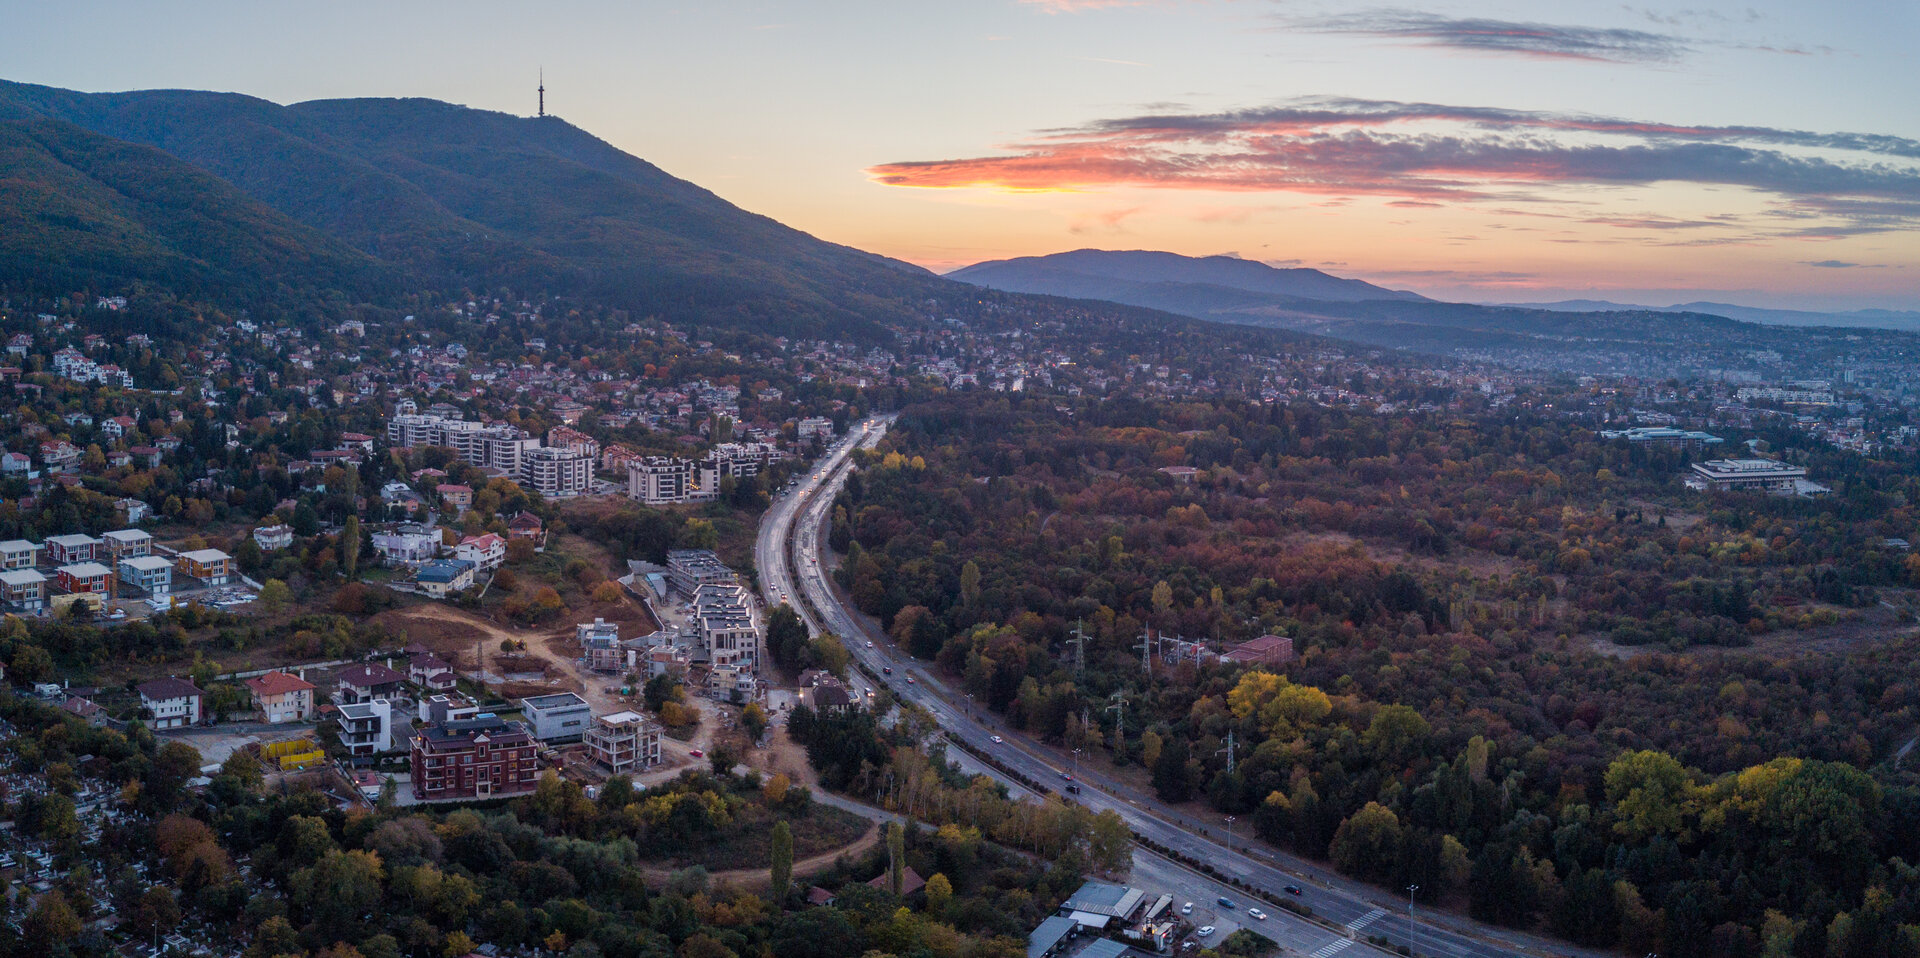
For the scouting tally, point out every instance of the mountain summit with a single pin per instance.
(448, 197)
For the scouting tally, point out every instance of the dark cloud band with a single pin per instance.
(1505, 37)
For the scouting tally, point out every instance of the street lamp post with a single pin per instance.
(1410, 890)
(1229, 833)
(969, 704)
(1076, 764)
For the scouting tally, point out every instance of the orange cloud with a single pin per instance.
(1430, 154)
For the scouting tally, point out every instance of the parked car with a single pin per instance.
(1186, 909)
(696, 753)
(1204, 931)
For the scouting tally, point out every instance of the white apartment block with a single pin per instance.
(657, 480)
(556, 473)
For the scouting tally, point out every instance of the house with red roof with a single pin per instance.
(281, 697)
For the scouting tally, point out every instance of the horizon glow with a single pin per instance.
(1763, 154)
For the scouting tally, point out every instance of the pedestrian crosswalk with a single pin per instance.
(1366, 919)
(1337, 946)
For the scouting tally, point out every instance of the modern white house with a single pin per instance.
(406, 547)
(562, 715)
(366, 728)
(274, 537)
(486, 552)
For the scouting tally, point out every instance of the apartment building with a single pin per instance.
(689, 569)
(556, 473)
(624, 742)
(659, 480)
(480, 757)
(728, 633)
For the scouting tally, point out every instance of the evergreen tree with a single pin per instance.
(782, 871)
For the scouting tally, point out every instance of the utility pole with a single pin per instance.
(1119, 708)
(1229, 751)
(1079, 649)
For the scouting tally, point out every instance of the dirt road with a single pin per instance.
(755, 878)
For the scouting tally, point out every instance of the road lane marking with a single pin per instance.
(1339, 945)
(1366, 919)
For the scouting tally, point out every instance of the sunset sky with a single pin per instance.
(1764, 153)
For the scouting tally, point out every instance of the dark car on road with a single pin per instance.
(1226, 902)
(1293, 889)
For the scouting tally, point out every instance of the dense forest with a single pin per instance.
(1450, 581)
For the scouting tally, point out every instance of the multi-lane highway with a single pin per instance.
(790, 559)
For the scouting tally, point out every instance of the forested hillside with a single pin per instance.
(453, 198)
(79, 210)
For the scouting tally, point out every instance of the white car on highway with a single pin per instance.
(1257, 913)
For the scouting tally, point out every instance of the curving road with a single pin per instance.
(790, 558)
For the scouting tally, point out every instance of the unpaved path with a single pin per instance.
(760, 877)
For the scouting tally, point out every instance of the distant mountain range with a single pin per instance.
(1682, 341)
(353, 197)
(1860, 318)
(1193, 284)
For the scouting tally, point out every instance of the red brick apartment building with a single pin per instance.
(481, 757)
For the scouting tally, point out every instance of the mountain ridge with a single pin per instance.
(461, 198)
(1898, 319)
(1151, 267)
